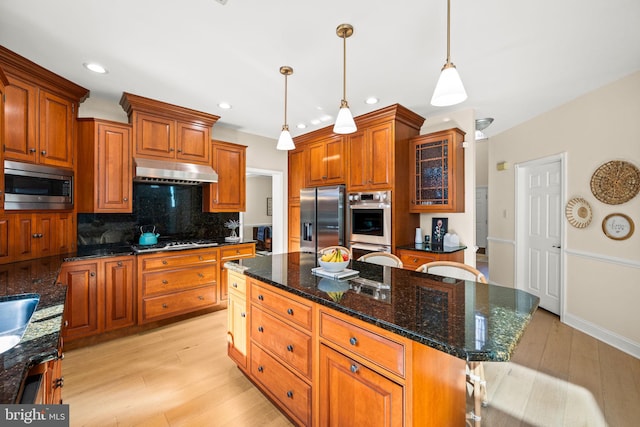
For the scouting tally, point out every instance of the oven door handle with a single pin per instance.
(366, 247)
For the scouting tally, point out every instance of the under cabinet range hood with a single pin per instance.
(165, 172)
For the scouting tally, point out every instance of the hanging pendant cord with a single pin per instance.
(448, 32)
(344, 66)
(285, 100)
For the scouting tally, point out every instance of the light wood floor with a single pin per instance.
(179, 375)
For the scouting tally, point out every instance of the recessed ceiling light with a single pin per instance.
(315, 122)
(224, 105)
(371, 100)
(301, 126)
(96, 68)
(325, 118)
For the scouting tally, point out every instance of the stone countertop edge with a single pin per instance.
(39, 343)
(507, 325)
(427, 247)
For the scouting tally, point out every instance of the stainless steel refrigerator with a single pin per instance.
(322, 218)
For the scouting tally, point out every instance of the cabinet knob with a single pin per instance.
(290, 394)
(172, 149)
(260, 329)
(200, 275)
(179, 150)
(165, 306)
(235, 285)
(290, 311)
(32, 150)
(354, 368)
(353, 340)
(260, 368)
(164, 282)
(415, 260)
(290, 348)
(164, 262)
(200, 258)
(119, 264)
(125, 199)
(92, 274)
(261, 298)
(200, 297)
(243, 314)
(43, 152)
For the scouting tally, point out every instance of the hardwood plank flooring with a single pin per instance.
(180, 375)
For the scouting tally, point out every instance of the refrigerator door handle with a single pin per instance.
(307, 231)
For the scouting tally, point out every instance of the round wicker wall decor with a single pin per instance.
(578, 212)
(615, 182)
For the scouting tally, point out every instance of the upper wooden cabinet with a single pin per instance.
(229, 193)
(437, 169)
(39, 114)
(165, 131)
(296, 174)
(371, 154)
(104, 163)
(325, 162)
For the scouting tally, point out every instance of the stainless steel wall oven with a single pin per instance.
(369, 221)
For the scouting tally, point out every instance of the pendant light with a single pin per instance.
(285, 142)
(344, 122)
(449, 90)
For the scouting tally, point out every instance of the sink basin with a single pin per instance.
(15, 314)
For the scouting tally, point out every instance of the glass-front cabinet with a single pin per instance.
(437, 164)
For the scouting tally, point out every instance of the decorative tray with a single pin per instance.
(339, 275)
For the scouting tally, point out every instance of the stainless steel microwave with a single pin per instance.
(33, 187)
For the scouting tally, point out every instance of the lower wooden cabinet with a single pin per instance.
(353, 394)
(100, 296)
(230, 253)
(44, 382)
(414, 259)
(237, 319)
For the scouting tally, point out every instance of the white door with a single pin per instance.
(539, 233)
(481, 217)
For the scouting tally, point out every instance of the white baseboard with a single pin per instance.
(611, 338)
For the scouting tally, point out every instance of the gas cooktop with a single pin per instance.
(174, 245)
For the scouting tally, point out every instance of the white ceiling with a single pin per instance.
(517, 59)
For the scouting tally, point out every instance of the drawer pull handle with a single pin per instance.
(260, 368)
(200, 297)
(235, 285)
(164, 262)
(290, 394)
(260, 329)
(354, 368)
(261, 298)
(243, 314)
(290, 311)
(290, 348)
(165, 306)
(164, 282)
(353, 341)
(59, 382)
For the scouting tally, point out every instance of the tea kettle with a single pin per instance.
(148, 238)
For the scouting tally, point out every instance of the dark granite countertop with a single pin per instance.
(469, 320)
(426, 247)
(40, 341)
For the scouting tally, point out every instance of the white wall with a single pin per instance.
(601, 275)
(463, 224)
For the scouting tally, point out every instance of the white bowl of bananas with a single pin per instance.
(334, 261)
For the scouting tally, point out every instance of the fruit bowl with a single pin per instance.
(334, 267)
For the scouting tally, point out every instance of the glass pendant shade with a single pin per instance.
(285, 142)
(344, 122)
(449, 90)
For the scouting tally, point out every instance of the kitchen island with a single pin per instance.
(404, 337)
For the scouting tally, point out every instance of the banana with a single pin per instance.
(326, 257)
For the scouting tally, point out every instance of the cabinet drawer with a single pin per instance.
(291, 310)
(290, 345)
(237, 282)
(177, 303)
(177, 260)
(161, 282)
(236, 252)
(412, 260)
(293, 393)
(377, 349)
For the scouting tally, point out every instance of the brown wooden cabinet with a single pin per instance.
(414, 259)
(230, 253)
(437, 172)
(6, 252)
(173, 283)
(104, 163)
(48, 380)
(280, 328)
(371, 159)
(168, 132)
(100, 296)
(3, 83)
(325, 161)
(229, 193)
(237, 319)
(297, 172)
(40, 112)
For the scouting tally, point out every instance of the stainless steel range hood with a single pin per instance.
(165, 172)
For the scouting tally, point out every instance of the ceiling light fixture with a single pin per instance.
(371, 100)
(224, 105)
(285, 142)
(449, 89)
(344, 122)
(482, 124)
(96, 68)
